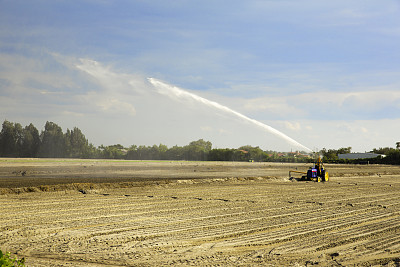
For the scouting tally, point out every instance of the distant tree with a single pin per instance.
(393, 157)
(10, 139)
(113, 152)
(77, 146)
(344, 150)
(162, 151)
(222, 154)
(198, 150)
(154, 153)
(206, 145)
(271, 155)
(132, 153)
(332, 154)
(175, 153)
(30, 142)
(53, 144)
(143, 152)
(384, 150)
(252, 153)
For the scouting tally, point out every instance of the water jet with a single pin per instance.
(173, 91)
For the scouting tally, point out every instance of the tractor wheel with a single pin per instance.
(325, 176)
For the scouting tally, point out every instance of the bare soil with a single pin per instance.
(130, 213)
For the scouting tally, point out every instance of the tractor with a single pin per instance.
(317, 173)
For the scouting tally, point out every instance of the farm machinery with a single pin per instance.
(317, 173)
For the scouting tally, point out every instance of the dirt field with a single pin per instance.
(127, 213)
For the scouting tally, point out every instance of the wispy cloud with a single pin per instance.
(328, 105)
(108, 104)
(117, 89)
(72, 113)
(294, 126)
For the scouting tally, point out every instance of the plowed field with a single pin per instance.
(129, 213)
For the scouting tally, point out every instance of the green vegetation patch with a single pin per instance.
(6, 260)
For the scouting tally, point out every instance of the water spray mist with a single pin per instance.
(173, 91)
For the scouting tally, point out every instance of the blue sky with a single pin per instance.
(326, 73)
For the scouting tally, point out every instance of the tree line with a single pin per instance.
(389, 156)
(52, 142)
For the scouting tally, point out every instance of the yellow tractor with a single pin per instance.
(317, 173)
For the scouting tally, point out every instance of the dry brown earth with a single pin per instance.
(130, 213)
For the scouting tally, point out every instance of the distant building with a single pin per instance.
(359, 156)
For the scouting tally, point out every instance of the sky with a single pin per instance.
(325, 74)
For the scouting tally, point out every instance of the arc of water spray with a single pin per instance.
(167, 89)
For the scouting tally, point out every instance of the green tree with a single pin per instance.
(393, 157)
(10, 139)
(113, 152)
(384, 150)
(154, 153)
(198, 150)
(143, 152)
(332, 154)
(175, 153)
(30, 142)
(132, 153)
(344, 150)
(163, 151)
(53, 143)
(252, 153)
(77, 145)
(93, 152)
(222, 154)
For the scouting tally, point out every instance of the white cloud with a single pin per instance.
(108, 104)
(355, 103)
(206, 128)
(38, 74)
(72, 113)
(222, 131)
(381, 102)
(118, 90)
(272, 106)
(361, 135)
(53, 86)
(293, 126)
